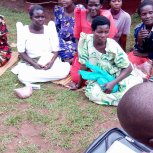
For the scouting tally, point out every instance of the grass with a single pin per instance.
(66, 120)
(28, 149)
(13, 120)
(5, 139)
(135, 21)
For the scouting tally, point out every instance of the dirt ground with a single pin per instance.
(28, 133)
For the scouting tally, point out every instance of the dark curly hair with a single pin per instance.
(110, 0)
(33, 8)
(144, 3)
(101, 2)
(99, 20)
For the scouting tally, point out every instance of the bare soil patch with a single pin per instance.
(26, 134)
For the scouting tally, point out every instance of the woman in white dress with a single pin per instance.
(38, 46)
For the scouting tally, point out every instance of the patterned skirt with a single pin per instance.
(5, 55)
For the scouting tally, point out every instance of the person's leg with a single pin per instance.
(75, 69)
(29, 74)
(95, 94)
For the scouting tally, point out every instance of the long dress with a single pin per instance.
(113, 62)
(39, 47)
(65, 26)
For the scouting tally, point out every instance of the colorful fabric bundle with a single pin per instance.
(5, 51)
(102, 77)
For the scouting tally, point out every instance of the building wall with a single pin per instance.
(128, 5)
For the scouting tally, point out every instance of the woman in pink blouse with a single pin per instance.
(83, 20)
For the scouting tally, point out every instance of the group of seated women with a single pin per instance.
(85, 43)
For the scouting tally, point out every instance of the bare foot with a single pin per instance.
(72, 85)
(69, 61)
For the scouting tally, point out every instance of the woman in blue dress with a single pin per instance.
(64, 20)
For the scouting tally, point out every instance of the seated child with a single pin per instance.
(135, 113)
(5, 51)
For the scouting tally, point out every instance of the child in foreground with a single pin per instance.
(135, 113)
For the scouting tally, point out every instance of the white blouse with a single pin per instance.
(37, 45)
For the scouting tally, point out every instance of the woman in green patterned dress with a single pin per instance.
(105, 53)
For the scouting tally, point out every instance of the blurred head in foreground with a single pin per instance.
(135, 113)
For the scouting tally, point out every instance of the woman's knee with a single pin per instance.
(93, 92)
(66, 70)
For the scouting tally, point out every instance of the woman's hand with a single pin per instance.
(37, 66)
(31, 61)
(109, 87)
(123, 74)
(142, 35)
(48, 65)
